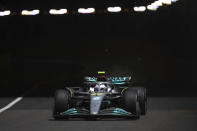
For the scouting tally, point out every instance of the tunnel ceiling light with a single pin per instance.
(32, 12)
(86, 10)
(166, 2)
(152, 7)
(5, 13)
(174, 1)
(58, 12)
(114, 9)
(139, 9)
(158, 3)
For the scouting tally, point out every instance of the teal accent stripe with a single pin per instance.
(69, 111)
(120, 111)
(119, 83)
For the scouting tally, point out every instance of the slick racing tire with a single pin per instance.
(61, 102)
(130, 99)
(142, 99)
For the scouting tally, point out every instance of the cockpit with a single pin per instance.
(100, 87)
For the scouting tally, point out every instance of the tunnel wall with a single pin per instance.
(48, 52)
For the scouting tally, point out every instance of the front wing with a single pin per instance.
(108, 113)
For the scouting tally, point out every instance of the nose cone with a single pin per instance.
(95, 103)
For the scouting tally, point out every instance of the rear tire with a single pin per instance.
(130, 99)
(142, 99)
(61, 102)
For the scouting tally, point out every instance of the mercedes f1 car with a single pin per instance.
(101, 96)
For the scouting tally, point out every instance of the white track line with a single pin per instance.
(11, 104)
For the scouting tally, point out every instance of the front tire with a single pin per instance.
(61, 102)
(130, 99)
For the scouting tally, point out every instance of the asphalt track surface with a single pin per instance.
(164, 114)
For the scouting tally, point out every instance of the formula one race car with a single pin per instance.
(100, 97)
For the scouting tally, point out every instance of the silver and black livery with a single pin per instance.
(100, 97)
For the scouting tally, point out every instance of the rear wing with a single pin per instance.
(120, 80)
(113, 80)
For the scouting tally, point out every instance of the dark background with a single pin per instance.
(47, 52)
